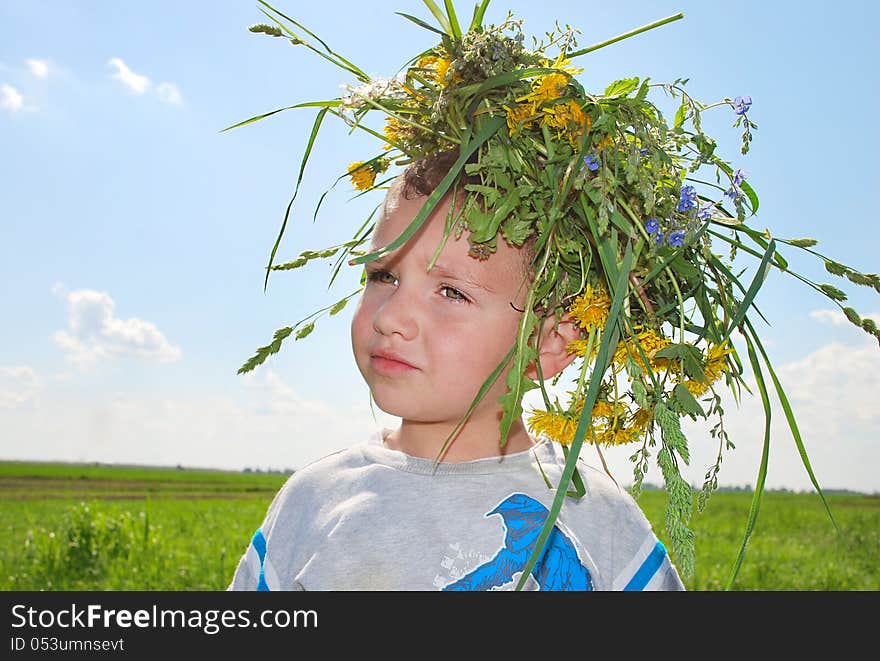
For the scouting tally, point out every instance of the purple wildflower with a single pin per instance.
(676, 238)
(652, 225)
(741, 104)
(688, 198)
(643, 151)
(659, 238)
(705, 212)
(733, 193)
(592, 162)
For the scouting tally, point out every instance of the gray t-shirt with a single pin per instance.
(372, 518)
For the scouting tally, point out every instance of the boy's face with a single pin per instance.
(425, 341)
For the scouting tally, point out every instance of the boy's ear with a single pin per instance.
(552, 348)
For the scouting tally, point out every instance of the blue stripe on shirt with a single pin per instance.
(259, 544)
(649, 567)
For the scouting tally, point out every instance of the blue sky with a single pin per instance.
(133, 232)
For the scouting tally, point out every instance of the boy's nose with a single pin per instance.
(395, 315)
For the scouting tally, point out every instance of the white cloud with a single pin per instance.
(135, 82)
(838, 318)
(169, 93)
(38, 68)
(18, 385)
(832, 392)
(10, 98)
(138, 83)
(267, 424)
(95, 333)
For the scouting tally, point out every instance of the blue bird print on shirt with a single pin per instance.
(557, 568)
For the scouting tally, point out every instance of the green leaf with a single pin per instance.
(621, 87)
(744, 186)
(680, 115)
(686, 399)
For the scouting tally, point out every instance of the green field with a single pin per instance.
(91, 527)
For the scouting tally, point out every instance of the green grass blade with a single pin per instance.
(331, 56)
(744, 186)
(482, 393)
(792, 424)
(479, 12)
(609, 337)
(762, 471)
(490, 128)
(720, 266)
(453, 19)
(439, 15)
(421, 23)
(315, 128)
(626, 35)
(311, 104)
(757, 281)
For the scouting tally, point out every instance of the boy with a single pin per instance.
(384, 515)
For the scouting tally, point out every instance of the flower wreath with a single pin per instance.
(622, 220)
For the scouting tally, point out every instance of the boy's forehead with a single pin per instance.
(506, 267)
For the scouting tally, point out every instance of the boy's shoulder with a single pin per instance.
(329, 465)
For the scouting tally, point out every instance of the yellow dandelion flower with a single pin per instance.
(603, 409)
(561, 63)
(618, 436)
(579, 347)
(395, 131)
(364, 176)
(716, 363)
(442, 67)
(518, 117)
(435, 68)
(546, 88)
(590, 309)
(642, 417)
(696, 388)
(559, 428)
(562, 428)
(650, 343)
(566, 117)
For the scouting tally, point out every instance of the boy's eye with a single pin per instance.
(383, 277)
(452, 293)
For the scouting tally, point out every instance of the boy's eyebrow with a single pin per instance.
(438, 268)
(443, 271)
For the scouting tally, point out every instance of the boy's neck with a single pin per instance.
(474, 441)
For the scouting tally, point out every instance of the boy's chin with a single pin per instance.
(408, 411)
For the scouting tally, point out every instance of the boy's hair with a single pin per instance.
(422, 177)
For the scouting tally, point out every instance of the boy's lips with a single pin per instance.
(389, 363)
